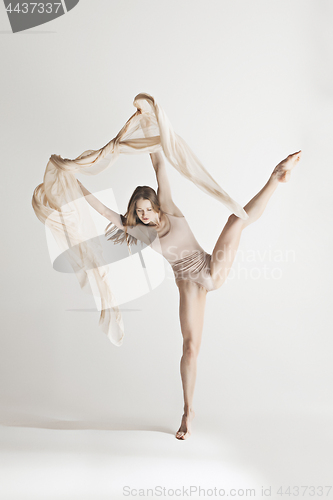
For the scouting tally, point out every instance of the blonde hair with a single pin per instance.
(112, 232)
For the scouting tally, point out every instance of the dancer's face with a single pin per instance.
(145, 211)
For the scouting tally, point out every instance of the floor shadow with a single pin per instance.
(59, 424)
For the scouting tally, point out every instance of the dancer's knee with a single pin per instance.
(191, 349)
(233, 220)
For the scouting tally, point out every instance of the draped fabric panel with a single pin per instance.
(59, 204)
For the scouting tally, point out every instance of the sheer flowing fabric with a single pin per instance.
(58, 202)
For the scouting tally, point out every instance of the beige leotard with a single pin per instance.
(188, 260)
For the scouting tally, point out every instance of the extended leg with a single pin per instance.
(191, 313)
(227, 244)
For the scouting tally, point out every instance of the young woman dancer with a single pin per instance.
(196, 272)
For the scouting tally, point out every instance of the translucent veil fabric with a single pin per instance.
(58, 202)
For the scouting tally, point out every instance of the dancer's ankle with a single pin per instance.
(188, 410)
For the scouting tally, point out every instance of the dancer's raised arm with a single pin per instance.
(164, 189)
(112, 216)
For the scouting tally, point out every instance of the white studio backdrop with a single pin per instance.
(253, 79)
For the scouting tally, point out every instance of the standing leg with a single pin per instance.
(227, 244)
(191, 313)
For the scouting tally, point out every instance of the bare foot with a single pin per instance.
(185, 427)
(282, 171)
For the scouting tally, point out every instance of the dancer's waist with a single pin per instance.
(193, 262)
